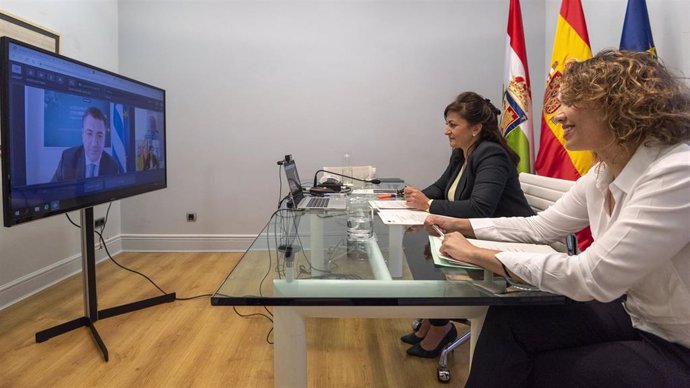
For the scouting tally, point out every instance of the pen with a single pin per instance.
(439, 231)
(385, 196)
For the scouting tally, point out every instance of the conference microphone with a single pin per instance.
(334, 187)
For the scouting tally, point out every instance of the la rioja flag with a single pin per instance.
(516, 120)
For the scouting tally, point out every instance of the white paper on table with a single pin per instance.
(375, 191)
(507, 246)
(403, 217)
(511, 247)
(389, 204)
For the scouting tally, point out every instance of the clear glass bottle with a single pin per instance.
(347, 170)
(360, 225)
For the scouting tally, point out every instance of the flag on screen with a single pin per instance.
(120, 136)
(571, 42)
(637, 33)
(516, 121)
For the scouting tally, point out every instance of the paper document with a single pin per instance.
(375, 191)
(511, 247)
(402, 217)
(389, 204)
(443, 261)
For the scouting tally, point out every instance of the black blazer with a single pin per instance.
(489, 186)
(73, 161)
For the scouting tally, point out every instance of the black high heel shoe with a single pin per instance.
(411, 338)
(418, 351)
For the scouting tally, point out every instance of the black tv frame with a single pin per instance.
(91, 312)
(66, 204)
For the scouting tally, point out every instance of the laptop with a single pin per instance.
(303, 202)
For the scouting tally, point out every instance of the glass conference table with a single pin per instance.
(303, 266)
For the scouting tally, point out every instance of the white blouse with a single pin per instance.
(642, 249)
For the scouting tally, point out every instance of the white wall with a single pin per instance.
(36, 254)
(249, 82)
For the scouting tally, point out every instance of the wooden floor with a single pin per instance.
(191, 343)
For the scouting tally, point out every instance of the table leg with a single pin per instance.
(395, 249)
(289, 348)
(318, 256)
(290, 341)
(476, 324)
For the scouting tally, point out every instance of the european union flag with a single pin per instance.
(637, 34)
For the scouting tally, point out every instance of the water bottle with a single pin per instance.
(347, 169)
(360, 224)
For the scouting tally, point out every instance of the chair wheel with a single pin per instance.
(443, 374)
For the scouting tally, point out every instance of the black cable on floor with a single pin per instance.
(105, 246)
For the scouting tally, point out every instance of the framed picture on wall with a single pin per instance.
(28, 32)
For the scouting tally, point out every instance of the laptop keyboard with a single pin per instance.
(317, 202)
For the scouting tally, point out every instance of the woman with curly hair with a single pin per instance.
(630, 326)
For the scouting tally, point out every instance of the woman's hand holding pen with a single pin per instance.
(439, 231)
(449, 224)
(415, 198)
(455, 245)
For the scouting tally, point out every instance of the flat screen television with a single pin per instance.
(74, 135)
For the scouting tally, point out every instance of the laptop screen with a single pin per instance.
(293, 181)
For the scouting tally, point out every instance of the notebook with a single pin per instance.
(303, 202)
(443, 261)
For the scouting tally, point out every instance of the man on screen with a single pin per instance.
(88, 160)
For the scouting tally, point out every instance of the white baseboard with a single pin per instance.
(19, 289)
(186, 242)
(27, 285)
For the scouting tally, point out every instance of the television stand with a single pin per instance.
(91, 312)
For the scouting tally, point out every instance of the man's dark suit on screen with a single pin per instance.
(73, 161)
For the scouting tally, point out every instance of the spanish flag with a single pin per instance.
(571, 42)
(516, 120)
(637, 33)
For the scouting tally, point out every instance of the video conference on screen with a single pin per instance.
(54, 123)
(76, 135)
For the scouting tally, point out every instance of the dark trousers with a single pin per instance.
(574, 345)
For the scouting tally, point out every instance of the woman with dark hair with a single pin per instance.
(481, 180)
(632, 325)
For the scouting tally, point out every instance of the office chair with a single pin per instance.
(540, 192)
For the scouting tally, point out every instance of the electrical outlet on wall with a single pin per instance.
(99, 224)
